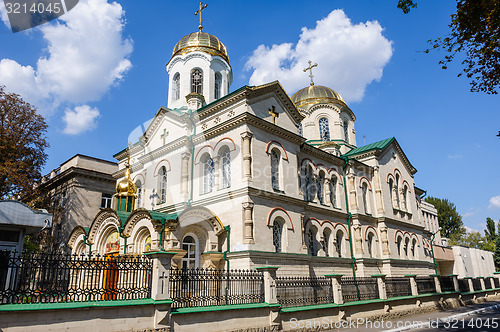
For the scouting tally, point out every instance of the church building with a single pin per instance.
(255, 177)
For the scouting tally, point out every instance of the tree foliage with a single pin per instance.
(475, 33)
(449, 219)
(490, 231)
(496, 255)
(22, 147)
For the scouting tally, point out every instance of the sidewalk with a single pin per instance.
(400, 323)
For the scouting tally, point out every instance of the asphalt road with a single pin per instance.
(483, 321)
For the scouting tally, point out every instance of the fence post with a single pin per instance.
(270, 295)
(161, 272)
(455, 282)
(382, 293)
(437, 282)
(471, 284)
(483, 285)
(413, 284)
(336, 287)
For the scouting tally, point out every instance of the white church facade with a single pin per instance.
(255, 177)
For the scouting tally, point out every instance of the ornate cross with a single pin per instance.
(311, 66)
(199, 12)
(274, 114)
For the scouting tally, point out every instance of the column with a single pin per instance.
(336, 287)
(353, 199)
(455, 282)
(246, 153)
(248, 220)
(385, 239)
(270, 295)
(413, 284)
(378, 191)
(358, 241)
(162, 261)
(327, 192)
(483, 286)
(382, 294)
(185, 175)
(303, 230)
(437, 282)
(471, 285)
(216, 160)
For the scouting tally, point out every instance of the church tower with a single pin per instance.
(328, 121)
(199, 71)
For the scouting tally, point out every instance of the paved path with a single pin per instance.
(490, 309)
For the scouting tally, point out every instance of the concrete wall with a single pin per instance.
(472, 262)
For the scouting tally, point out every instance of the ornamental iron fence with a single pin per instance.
(496, 282)
(302, 291)
(463, 285)
(476, 282)
(359, 289)
(49, 278)
(211, 287)
(426, 285)
(447, 284)
(397, 286)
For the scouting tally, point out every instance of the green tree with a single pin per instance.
(22, 147)
(496, 255)
(475, 33)
(449, 219)
(490, 231)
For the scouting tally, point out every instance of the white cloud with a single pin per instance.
(349, 57)
(495, 202)
(86, 54)
(468, 214)
(455, 156)
(81, 119)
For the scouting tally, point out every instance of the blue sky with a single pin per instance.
(99, 72)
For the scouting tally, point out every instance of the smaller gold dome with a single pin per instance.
(126, 187)
(201, 41)
(315, 94)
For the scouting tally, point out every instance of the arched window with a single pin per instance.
(275, 169)
(217, 85)
(391, 189)
(324, 129)
(333, 191)
(346, 131)
(300, 129)
(176, 86)
(309, 184)
(405, 197)
(406, 247)
(370, 244)
(364, 190)
(339, 238)
(320, 186)
(398, 244)
(396, 191)
(162, 185)
(277, 235)
(208, 173)
(413, 247)
(326, 242)
(311, 242)
(190, 260)
(226, 167)
(139, 193)
(197, 81)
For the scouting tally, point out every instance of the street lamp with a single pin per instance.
(432, 250)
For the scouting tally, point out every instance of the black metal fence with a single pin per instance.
(45, 278)
(487, 283)
(425, 285)
(496, 282)
(358, 289)
(447, 284)
(397, 286)
(463, 285)
(302, 291)
(210, 287)
(476, 282)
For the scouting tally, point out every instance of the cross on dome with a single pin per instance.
(311, 66)
(199, 12)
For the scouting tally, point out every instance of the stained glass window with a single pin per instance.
(277, 235)
(324, 129)
(226, 169)
(197, 81)
(275, 166)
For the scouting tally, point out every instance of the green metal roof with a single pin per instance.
(123, 216)
(155, 215)
(380, 145)
(224, 97)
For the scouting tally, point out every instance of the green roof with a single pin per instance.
(224, 97)
(123, 216)
(380, 145)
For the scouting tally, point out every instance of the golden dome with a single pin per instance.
(201, 41)
(315, 94)
(126, 187)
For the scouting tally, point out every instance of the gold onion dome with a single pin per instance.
(126, 187)
(203, 42)
(316, 94)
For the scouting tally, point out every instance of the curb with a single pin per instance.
(444, 319)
